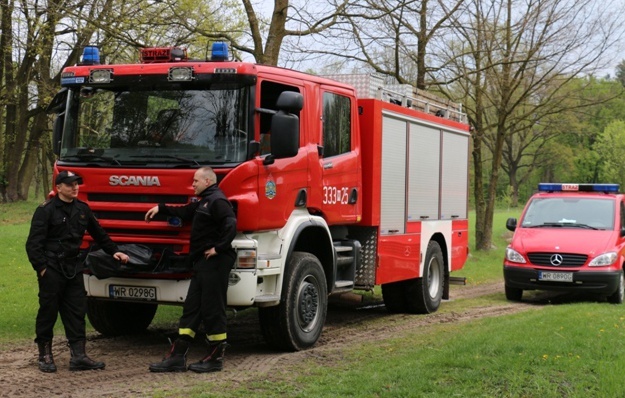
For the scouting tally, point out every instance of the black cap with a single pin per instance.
(67, 177)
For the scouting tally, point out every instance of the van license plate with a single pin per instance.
(132, 292)
(555, 276)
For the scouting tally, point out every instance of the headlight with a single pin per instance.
(514, 256)
(603, 260)
(246, 259)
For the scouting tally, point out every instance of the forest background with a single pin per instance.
(542, 81)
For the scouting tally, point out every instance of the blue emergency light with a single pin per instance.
(219, 51)
(553, 187)
(91, 56)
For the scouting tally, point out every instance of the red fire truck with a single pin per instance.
(337, 187)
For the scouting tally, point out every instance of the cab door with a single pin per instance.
(339, 157)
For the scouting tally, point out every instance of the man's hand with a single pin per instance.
(151, 213)
(210, 252)
(123, 257)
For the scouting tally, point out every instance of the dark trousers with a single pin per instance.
(207, 298)
(67, 297)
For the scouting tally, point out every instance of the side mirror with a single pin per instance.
(57, 105)
(511, 224)
(57, 134)
(285, 125)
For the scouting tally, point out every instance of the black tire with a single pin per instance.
(113, 318)
(394, 295)
(618, 296)
(513, 294)
(424, 295)
(296, 323)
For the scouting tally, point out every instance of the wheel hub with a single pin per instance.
(308, 305)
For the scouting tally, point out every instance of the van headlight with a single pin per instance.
(603, 260)
(514, 256)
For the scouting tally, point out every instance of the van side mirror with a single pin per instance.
(511, 224)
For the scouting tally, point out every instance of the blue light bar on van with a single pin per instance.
(551, 187)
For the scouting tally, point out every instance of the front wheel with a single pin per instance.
(513, 294)
(112, 318)
(618, 296)
(296, 323)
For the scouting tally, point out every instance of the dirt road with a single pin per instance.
(248, 359)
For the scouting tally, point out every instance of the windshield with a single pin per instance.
(141, 127)
(570, 213)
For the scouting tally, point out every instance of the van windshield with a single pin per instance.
(570, 213)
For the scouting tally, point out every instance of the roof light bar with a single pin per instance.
(90, 56)
(556, 187)
(219, 51)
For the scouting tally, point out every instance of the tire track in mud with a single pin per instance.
(248, 358)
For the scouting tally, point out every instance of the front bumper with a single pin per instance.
(598, 282)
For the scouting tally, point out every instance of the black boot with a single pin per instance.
(46, 360)
(214, 361)
(79, 359)
(175, 360)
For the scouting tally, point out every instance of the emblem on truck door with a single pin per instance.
(270, 189)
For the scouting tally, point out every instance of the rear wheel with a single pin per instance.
(394, 295)
(618, 296)
(296, 323)
(112, 318)
(514, 294)
(424, 295)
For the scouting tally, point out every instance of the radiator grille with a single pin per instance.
(567, 259)
(137, 198)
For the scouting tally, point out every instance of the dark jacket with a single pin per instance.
(214, 223)
(56, 232)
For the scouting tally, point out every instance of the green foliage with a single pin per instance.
(610, 148)
(505, 197)
(18, 286)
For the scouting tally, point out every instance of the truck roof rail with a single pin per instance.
(370, 85)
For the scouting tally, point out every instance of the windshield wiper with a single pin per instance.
(92, 156)
(578, 225)
(561, 225)
(167, 157)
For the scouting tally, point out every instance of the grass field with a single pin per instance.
(562, 350)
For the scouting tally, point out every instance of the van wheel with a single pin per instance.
(113, 318)
(619, 294)
(424, 295)
(514, 294)
(296, 323)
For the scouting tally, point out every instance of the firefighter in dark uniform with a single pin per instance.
(56, 233)
(213, 228)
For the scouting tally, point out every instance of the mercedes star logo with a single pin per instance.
(556, 259)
